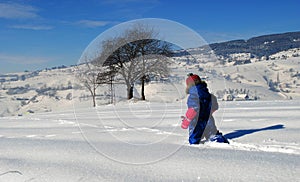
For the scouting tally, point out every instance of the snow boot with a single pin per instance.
(218, 137)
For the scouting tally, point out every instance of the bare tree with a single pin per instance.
(92, 76)
(136, 54)
(87, 75)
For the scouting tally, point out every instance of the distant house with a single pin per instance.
(241, 97)
(228, 97)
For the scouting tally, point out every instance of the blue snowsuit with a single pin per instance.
(199, 99)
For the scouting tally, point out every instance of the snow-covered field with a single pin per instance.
(143, 141)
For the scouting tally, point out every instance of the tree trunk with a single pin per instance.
(130, 92)
(94, 96)
(94, 100)
(143, 87)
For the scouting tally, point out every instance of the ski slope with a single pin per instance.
(143, 141)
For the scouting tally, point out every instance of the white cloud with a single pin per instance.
(92, 23)
(32, 27)
(17, 11)
(22, 60)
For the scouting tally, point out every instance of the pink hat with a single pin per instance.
(193, 79)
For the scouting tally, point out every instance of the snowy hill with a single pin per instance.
(266, 80)
(58, 89)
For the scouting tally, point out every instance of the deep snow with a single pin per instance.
(143, 141)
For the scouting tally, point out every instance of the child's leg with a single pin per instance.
(196, 134)
(211, 128)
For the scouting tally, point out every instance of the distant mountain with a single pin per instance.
(265, 45)
(256, 47)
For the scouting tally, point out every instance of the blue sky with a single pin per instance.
(35, 34)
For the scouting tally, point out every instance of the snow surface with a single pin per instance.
(143, 141)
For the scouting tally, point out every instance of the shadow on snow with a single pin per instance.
(240, 133)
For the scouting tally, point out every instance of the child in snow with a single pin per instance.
(198, 118)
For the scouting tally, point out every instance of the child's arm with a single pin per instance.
(189, 116)
(193, 107)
